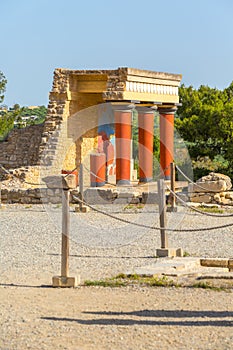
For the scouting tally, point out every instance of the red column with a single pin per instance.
(123, 135)
(166, 139)
(98, 169)
(145, 147)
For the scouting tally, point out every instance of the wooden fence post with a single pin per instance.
(162, 214)
(81, 180)
(173, 187)
(164, 251)
(81, 208)
(65, 233)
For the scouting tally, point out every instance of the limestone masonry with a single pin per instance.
(63, 142)
(70, 132)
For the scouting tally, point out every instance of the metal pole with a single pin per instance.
(65, 233)
(173, 187)
(162, 214)
(81, 180)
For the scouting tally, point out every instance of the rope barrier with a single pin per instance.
(197, 210)
(115, 185)
(151, 227)
(143, 225)
(100, 178)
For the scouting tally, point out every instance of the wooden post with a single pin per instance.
(0, 195)
(81, 208)
(173, 187)
(162, 214)
(65, 233)
(81, 186)
(164, 251)
(65, 184)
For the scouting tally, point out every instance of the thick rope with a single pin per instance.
(115, 185)
(151, 227)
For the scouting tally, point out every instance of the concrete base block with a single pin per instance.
(169, 252)
(83, 209)
(66, 282)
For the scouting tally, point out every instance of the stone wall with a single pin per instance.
(41, 150)
(34, 196)
(60, 144)
(61, 149)
(22, 147)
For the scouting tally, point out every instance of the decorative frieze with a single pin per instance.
(151, 88)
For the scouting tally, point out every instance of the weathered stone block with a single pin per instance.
(133, 200)
(222, 194)
(128, 194)
(83, 209)
(217, 198)
(61, 181)
(216, 177)
(55, 200)
(214, 262)
(225, 201)
(208, 186)
(183, 196)
(202, 199)
(25, 200)
(99, 196)
(229, 195)
(50, 193)
(121, 201)
(150, 198)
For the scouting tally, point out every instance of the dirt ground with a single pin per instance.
(35, 316)
(41, 317)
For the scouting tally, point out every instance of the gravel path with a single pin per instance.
(33, 317)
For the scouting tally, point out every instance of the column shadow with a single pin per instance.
(217, 318)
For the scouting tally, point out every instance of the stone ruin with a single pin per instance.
(31, 153)
(22, 153)
(213, 189)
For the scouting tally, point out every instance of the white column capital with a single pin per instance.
(122, 107)
(167, 109)
(145, 110)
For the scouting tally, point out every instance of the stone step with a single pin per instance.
(169, 266)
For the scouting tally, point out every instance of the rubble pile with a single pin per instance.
(213, 188)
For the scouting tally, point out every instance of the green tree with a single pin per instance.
(3, 83)
(40, 112)
(7, 118)
(205, 121)
(6, 124)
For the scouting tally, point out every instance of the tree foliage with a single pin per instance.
(6, 124)
(205, 121)
(3, 83)
(40, 112)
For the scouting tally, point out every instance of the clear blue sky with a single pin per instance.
(191, 37)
